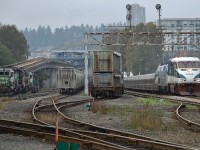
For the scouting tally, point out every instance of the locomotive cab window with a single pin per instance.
(171, 68)
(7, 73)
(189, 64)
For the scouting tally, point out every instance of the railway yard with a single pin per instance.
(122, 87)
(130, 121)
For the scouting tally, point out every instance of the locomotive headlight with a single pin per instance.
(197, 78)
(182, 80)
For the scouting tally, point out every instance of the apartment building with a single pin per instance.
(183, 37)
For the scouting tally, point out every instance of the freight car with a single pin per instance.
(107, 78)
(70, 80)
(180, 76)
(15, 80)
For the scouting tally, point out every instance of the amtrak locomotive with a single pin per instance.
(180, 76)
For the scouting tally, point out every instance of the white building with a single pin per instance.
(178, 41)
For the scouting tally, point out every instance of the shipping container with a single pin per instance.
(106, 61)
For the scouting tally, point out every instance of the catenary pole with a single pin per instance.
(86, 64)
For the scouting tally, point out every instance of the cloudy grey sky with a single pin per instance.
(59, 13)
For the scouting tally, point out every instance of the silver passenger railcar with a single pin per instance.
(69, 80)
(180, 76)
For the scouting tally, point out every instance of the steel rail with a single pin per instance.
(44, 135)
(188, 123)
(120, 136)
(176, 99)
(70, 132)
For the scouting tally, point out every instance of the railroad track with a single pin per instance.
(188, 123)
(177, 99)
(24, 96)
(47, 132)
(68, 131)
(107, 134)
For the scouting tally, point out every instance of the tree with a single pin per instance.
(145, 58)
(6, 56)
(138, 58)
(15, 41)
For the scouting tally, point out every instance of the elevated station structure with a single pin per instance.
(48, 68)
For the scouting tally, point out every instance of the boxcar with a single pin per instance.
(107, 78)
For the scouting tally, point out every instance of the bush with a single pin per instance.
(99, 107)
(145, 119)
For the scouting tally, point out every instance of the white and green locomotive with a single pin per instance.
(15, 80)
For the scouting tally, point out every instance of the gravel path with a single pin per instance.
(20, 111)
(16, 142)
(115, 114)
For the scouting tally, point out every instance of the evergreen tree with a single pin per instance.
(15, 41)
(6, 56)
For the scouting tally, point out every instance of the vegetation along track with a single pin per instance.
(182, 100)
(108, 134)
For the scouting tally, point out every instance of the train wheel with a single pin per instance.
(176, 90)
(166, 90)
(169, 90)
(111, 94)
(11, 92)
(159, 90)
(61, 91)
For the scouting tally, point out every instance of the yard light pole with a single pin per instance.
(129, 16)
(158, 7)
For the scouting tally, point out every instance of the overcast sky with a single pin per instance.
(59, 13)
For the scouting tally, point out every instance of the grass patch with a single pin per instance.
(101, 107)
(155, 101)
(193, 107)
(83, 94)
(145, 119)
(141, 116)
(5, 101)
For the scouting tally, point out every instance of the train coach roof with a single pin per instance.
(184, 59)
(141, 77)
(6, 69)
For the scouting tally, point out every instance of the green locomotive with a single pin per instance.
(15, 80)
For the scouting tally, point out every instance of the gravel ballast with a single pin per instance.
(174, 132)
